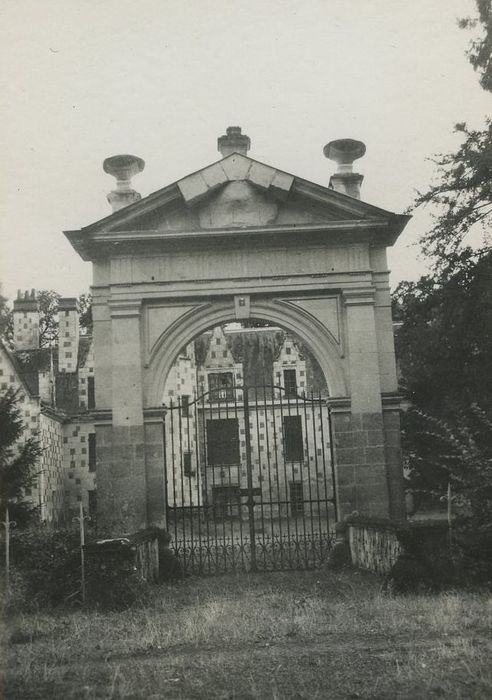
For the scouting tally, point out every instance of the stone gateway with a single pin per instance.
(234, 242)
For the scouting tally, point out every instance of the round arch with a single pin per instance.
(278, 312)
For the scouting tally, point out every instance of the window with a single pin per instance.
(91, 399)
(187, 470)
(290, 383)
(293, 447)
(92, 452)
(185, 406)
(296, 498)
(221, 386)
(226, 501)
(223, 441)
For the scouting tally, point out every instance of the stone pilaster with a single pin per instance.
(360, 469)
(394, 467)
(121, 473)
(357, 426)
(155, 467)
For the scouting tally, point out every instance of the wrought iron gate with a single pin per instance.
(249, 479)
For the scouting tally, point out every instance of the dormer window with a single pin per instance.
(221, 386)
(290, 383)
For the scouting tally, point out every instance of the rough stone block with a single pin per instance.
(192, 187)
(374, 455)
(375, 438)
(372, 421)
(345, 476)
(236, 167)
(342, 421)
(214, 175)
(261, 175)
(282, 181)
(348, 455)
(391, 420)
(392, 438)
(345, 439)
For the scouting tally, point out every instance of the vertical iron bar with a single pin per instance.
(205, 472)
(199, 485)
(260, 475)
(166, 480)
(236, 416)
(270, 492)
(296, 524)
(325, 484)
(179, 407)
(173, 458)
(279, 498)
(315, 447)
(224, 515)
(305, 452)
(190, 489)
(310, 489)
(214, 513)
(332, 459)
(249, 468)
(286, 483)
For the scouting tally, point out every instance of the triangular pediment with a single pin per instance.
(237, 191)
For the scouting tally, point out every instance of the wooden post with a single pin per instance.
(7, 523)
(80, 519)
(450, 518)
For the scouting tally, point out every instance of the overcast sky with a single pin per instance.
(161, 79)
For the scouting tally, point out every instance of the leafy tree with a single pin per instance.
(444, 343)
(480, 53)
(17, 461)
(6, 321)
(85, 313)
(48, 317)
(461, 196)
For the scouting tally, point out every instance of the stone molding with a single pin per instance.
(277, 311)
(103, 416)
(125, 309)
(392, 402)
(359, 297)
(154, 415)
(339, 404)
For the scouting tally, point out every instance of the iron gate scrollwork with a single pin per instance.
(250, 484)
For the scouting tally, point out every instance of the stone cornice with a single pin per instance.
(102, 416)
(359, 297)
(125, 309)
(339, 404)
(103, 244)
(393, 402)
(154, 414)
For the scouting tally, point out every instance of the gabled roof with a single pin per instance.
(196, 188)
(257, 349)
(27, 365)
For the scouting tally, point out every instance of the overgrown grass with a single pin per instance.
(289, 635)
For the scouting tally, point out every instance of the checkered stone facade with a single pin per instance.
(52, 473)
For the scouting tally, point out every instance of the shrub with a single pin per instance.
(46, 565)
(458, 454)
